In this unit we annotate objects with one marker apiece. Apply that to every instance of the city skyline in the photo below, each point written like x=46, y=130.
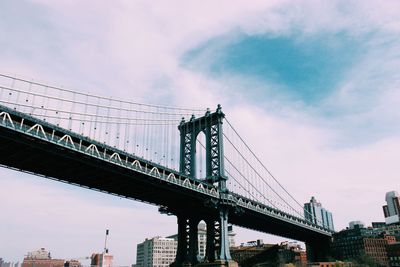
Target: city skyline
x=324, y=120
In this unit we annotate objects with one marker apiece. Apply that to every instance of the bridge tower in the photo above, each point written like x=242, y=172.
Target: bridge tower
x=211, y=126
x=217, y=248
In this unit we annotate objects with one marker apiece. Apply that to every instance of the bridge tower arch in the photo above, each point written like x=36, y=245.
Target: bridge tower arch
x=211, y=125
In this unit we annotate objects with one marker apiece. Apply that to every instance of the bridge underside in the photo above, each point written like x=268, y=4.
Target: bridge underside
x=28, y=154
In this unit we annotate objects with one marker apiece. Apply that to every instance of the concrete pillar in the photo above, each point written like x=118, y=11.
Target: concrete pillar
x=210, y=248
x=224, y=253
x=193, y=241
x=182, y=249
x=319, y=250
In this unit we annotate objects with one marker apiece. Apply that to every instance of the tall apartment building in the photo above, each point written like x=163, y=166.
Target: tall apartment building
x=314, y=212
x=392, y=208
x=156, y=252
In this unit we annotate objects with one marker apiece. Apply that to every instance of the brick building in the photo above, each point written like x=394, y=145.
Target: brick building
x=257, y=253
x=330, y=264
x=393, y=252
x=101, y=260
x=41, y=258
x=391, y=230
x=360, y=243
x=249, y=250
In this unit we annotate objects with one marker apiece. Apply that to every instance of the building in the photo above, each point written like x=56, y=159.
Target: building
x=202, y=239
x=392, y=208
x=248, y=250
x=388, y=230
x=101, y=259
x=9, y=264
x=72, y=263
x=256, y=253
x=393, y=252
x=314, y=212
x=231, y=236
x=361, y=244
x=354, y=224
x=331, y=264
x=393, y=230
x=294, y=253
x=156, y=252
x=41, y=258
x=378, y=225
x=39, y=254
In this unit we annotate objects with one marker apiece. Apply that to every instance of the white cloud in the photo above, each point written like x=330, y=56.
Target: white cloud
x=130, y=49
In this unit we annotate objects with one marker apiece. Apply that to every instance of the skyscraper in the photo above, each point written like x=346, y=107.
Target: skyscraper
x=392, y=208
x=314, y=212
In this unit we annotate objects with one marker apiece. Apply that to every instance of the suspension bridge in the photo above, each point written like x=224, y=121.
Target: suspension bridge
x=191, y=163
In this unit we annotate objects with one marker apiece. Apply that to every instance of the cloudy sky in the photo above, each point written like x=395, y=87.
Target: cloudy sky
x=311, y=85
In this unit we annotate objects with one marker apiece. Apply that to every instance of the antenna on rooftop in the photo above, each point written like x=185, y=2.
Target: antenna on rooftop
x=105, y=242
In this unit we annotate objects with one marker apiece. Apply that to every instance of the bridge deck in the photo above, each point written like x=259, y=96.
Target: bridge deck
x=43, y=149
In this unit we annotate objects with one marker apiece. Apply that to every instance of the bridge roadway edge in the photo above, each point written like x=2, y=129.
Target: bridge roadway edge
x=50, y=161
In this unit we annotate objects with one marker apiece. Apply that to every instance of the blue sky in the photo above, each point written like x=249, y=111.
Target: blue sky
x=305, y=71
x=313, y=87
x=303, y=68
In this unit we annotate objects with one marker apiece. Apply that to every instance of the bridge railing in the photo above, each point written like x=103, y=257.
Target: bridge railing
x=276, y=213
x=31, y=126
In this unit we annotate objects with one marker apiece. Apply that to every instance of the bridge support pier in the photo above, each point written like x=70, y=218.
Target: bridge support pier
x=193, y=241
x=217, y=250
x=217, y=247
x=183, y=235
x=210, y=247
x=224, y=253
x=319, y=250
